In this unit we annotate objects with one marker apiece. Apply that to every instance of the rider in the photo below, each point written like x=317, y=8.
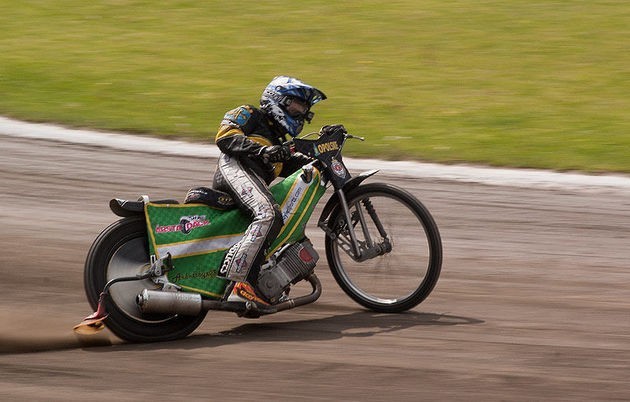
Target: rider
x=252, y=156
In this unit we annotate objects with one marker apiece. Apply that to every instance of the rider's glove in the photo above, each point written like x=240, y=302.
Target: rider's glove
x=275, y=153
x=334, y=129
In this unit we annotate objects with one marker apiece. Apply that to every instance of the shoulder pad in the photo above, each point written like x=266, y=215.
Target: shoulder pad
x=239, y=116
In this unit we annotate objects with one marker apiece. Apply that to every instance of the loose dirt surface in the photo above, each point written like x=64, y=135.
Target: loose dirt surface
x=532, y=303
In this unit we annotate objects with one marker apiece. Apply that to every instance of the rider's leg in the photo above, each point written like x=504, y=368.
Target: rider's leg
x=243, y=260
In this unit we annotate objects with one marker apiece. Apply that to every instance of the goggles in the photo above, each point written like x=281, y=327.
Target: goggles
x=296, y=107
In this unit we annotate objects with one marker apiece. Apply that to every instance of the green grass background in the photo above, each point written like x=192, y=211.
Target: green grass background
x=532, y=83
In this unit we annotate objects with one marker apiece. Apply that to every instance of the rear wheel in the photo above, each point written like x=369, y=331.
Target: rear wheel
x=400, y=246
x=122, y=250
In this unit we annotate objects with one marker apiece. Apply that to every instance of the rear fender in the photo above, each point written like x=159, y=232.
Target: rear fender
x=349, y=186
x=127, y=208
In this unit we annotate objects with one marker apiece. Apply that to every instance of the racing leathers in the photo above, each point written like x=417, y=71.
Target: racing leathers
x=246, y=137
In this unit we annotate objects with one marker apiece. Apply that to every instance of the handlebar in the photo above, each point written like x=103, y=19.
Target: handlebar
x=319, y=134
x=323, y=143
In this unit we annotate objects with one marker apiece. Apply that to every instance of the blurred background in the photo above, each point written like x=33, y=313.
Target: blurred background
x=534, y=279
x=521, y=83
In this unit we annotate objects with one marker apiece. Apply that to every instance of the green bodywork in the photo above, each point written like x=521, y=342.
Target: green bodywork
x=198, y=236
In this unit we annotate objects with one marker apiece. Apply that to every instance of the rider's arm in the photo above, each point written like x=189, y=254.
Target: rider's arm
x=231, y=138
x=296, y=162
x=232, y=141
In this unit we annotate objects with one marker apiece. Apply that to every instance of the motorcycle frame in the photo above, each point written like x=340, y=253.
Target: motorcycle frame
x=343, y=183
x=333, y=170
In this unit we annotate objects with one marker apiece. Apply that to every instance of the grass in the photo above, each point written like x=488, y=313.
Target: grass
x=539, y=84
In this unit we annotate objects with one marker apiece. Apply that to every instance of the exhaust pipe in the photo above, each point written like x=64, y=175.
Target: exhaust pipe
x=161, y=302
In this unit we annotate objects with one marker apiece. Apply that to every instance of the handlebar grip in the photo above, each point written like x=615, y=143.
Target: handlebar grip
x=348, y=135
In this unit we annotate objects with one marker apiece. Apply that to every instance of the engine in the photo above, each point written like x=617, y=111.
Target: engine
x=291, y=265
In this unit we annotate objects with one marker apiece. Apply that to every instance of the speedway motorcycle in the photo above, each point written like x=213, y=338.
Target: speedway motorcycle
x=152, y=275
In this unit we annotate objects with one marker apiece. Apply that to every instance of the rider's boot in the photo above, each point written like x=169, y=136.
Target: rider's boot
x=244, y=292
x=239, y=291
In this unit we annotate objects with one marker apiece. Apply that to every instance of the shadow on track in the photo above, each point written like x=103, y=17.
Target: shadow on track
x=359, y=324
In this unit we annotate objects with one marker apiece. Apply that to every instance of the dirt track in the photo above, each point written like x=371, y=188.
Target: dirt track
x=532, y=303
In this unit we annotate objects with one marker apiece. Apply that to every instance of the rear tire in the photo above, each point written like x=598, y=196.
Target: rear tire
x=398, y=279
x=122, y=250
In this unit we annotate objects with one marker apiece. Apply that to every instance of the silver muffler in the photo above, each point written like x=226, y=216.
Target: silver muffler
x=160, y=302
x=184, y=303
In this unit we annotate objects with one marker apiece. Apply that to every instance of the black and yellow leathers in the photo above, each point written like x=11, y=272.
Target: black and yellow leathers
x=244, y=174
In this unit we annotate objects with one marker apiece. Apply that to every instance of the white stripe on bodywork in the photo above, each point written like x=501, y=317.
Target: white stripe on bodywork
x=294, y=199
x=212, y=245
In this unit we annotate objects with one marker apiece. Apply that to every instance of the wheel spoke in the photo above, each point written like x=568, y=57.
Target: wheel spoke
x=400, y=249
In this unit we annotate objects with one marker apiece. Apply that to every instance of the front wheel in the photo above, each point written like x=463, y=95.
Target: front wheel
x=122, y=250
x=400, y=251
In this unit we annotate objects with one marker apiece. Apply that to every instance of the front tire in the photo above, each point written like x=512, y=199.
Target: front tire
x=122, y=250
x=408, y=265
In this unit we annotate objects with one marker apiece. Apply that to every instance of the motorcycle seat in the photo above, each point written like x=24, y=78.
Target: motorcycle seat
x=211, y=197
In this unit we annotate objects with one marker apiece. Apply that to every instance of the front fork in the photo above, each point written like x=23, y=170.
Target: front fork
x=358, y=250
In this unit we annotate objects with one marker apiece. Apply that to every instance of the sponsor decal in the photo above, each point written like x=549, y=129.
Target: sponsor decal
x=227, y=261
x=246, y=295
x=186, y=225
x=255, y=233
x=193, y=196
x=239, y=116
x=338, y=168
x=241, y=264
x=193, y=275
x=264, y=211
x=327, y=147
x=225, y=200
x=247, y=191
x=292, y=202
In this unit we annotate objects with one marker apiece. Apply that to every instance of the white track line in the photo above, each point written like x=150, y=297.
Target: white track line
x=473, y=174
